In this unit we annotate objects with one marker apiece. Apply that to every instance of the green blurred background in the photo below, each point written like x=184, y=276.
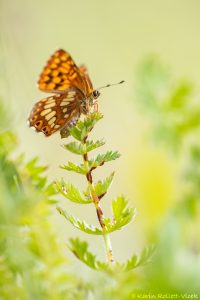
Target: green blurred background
x=112, y=38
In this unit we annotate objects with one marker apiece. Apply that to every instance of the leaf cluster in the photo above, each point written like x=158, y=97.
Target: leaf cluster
x=121, y=216
x=80, y=250
x=170, y=104
x=121, y=213
x=27, y=267
x=174, y=113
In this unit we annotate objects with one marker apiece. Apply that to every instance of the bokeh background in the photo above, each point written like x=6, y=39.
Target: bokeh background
x=112, y=38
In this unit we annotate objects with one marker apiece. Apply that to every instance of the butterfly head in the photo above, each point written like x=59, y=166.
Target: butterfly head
x=92, y=103
x=95, y=94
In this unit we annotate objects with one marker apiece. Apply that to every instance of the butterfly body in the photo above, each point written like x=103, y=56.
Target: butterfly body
x=73, y=95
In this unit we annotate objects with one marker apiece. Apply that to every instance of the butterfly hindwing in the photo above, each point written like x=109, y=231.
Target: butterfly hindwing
x=52, y=113
x=60, y=74
x=64, y=131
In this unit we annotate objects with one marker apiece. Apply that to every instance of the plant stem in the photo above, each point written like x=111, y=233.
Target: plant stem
x=99, y=211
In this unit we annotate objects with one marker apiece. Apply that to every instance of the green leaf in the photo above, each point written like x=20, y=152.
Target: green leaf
x=143, y=259
x=49, y=192
x=153, y=84
x=35, y=172
x=73, y=167
x=75, y=132
x=83, y=128
x=81, y=225
x=80, y=149
x=179, y=96
x=121, y=215
x=33, y=168
x=75, y=147
x=89, y=122
x=102, y=158
x=80, y=250
x=119, y=207
x=70, y=192
x=101, y=187
x=90, y=145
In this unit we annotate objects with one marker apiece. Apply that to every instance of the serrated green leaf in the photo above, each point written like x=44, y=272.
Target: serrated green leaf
x=121, y=215
x=80, y=149
x=73, y=167
x=83, y=128
x=89, y=122
x=91, y=145
x=131, y=263
x=70, y=192
x=119, y=207
x=102, y=158
x=80, y=250
x=75, y=132
x=33, y=168
x=35, y=172
x=50, y=190
x=81, y=225
x=143, y=259
x=146, y=255
x=75, y=147
x=101, y=187
x=106, y=267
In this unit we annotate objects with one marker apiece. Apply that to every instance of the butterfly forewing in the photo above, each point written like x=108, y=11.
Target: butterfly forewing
x=60, y=74
x=86, y=78
x=52, y=113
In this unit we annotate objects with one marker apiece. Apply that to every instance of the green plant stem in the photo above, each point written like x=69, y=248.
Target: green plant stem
x=99, y=211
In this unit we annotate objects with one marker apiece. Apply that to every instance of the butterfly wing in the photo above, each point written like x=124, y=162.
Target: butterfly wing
x=52, y=113
x=60, y=74
x=65, y=130
x=86, y=78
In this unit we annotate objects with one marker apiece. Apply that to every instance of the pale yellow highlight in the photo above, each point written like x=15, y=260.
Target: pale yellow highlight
x=51, y=121
x=64, y=102
x=45, y=112
x=50, y=115
x=50, y=100
x=71, y=93
x=50, y=105
x=151, y=180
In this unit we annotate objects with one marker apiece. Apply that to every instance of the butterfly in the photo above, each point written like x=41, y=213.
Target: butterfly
x=73, y=95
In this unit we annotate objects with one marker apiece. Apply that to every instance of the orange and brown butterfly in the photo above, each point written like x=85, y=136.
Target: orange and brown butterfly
x=73, y=95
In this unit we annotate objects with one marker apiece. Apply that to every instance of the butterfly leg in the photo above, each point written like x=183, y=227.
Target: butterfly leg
x=95, y=107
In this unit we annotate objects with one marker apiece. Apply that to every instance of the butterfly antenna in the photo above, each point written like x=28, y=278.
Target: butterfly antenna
x=108, y=85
